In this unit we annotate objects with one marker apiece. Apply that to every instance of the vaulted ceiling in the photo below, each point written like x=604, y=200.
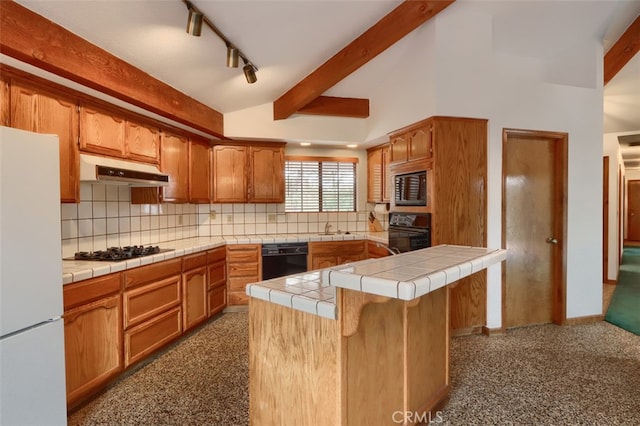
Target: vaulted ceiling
x=288, y=40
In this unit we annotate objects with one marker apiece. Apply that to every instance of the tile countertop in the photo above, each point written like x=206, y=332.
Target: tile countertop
x=406, y=276
x=73, y=270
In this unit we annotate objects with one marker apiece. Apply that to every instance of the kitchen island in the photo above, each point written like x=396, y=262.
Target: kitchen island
x=364, y=343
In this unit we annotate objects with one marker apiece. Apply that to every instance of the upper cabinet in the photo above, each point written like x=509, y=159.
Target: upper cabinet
x=38, y=110
x=230, y=168
x=101, y=131
x=412, y=143
x=142, y=142
x=5, y=101
x=175, y=162
x=267, y=177
x=199, y=171
x=378, y=174
x=248, y=173
x=112, y=133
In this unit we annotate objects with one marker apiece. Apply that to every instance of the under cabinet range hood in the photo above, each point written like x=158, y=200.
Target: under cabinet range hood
x=119, y=172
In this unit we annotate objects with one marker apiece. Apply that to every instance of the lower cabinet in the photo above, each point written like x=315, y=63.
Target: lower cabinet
x=332, y=253
x=92, y=335
x=244, y=266
x=217, y=287
x=194, y=290
x=152, y=308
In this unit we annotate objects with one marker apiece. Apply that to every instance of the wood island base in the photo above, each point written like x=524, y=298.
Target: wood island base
x=383, y=361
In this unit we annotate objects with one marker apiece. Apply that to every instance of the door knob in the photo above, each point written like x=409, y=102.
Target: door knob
x=552, y=240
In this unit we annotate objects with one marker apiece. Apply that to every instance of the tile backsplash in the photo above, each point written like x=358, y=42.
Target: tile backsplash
x=106, y=218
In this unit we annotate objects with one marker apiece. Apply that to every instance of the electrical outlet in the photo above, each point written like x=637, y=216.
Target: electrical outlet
x=271, y=218
x=212, y=215
x=229, y=218
x=179, y=219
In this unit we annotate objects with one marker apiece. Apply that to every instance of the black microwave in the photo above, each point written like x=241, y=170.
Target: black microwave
x=410, y=189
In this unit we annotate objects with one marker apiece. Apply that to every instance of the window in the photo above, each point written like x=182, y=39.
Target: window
x=320, y=184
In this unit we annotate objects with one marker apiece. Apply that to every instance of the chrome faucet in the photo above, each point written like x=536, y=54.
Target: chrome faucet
x=327, y=227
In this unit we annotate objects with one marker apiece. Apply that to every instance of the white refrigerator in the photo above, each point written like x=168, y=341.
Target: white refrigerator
x=32, y=371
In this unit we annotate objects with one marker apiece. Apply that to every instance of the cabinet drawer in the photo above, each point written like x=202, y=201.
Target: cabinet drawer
x=151, y=273
x=145, y=302
x=194, y=261
x=149, y=336
x=217, y=300
x=243, y=256
x=86, y=291
x=217, y=274
x=243, y=270
x=217, y=255
x=239, y=284
x=237, y=298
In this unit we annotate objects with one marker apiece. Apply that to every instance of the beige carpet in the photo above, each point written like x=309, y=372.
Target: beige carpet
x=542, y=375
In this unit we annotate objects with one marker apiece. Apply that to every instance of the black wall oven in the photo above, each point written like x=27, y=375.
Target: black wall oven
x=409, y=231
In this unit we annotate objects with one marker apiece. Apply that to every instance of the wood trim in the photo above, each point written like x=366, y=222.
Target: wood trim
x=583, y=320
x=622, y=51
x=233, y=142
x=53, y=48
x=337, y=107
x=312, y=158
x=493, y=331
x=605, y=219
x=408, y=16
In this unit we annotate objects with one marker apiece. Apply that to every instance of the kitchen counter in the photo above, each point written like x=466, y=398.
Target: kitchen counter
x=406, y=276
x=362, y=343
x=73, y=270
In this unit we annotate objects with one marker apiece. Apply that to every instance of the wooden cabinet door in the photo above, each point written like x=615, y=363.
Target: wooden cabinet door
x=93, y=346
x=244, y=266
x=399, y=147
x=374, y=176
x=267, y=178
x=40, y=111
x=101, y=131
x=419, y=143
x=386, y=174
x=142, y=142
x=194, y=297
x=320, y=261
x=199, y=177
x=230, y=169
x=5, y=101
x=174, y=160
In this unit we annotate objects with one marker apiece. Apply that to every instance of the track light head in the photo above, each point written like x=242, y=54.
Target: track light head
x=232, y=57
x=194, y=23
x=249, y=73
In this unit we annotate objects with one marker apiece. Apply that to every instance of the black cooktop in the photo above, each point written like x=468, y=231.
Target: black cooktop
x=115, y=254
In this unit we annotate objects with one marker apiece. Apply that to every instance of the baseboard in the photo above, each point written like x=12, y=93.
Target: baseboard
x=466, y=331
x=493, y=331
x=583, y=320
x=236, y=308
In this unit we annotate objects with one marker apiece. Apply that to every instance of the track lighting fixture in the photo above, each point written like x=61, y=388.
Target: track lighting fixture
x=194, y=27
x=194, y=23
x=249, y=72
x=232, y=57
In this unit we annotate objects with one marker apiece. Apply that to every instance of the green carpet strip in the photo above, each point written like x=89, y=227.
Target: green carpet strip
x=624, y=310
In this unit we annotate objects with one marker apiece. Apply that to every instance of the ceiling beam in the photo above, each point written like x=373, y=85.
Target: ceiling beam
x=337, y=107
x=622, y=51
x=37, y=41
x=408, y=16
